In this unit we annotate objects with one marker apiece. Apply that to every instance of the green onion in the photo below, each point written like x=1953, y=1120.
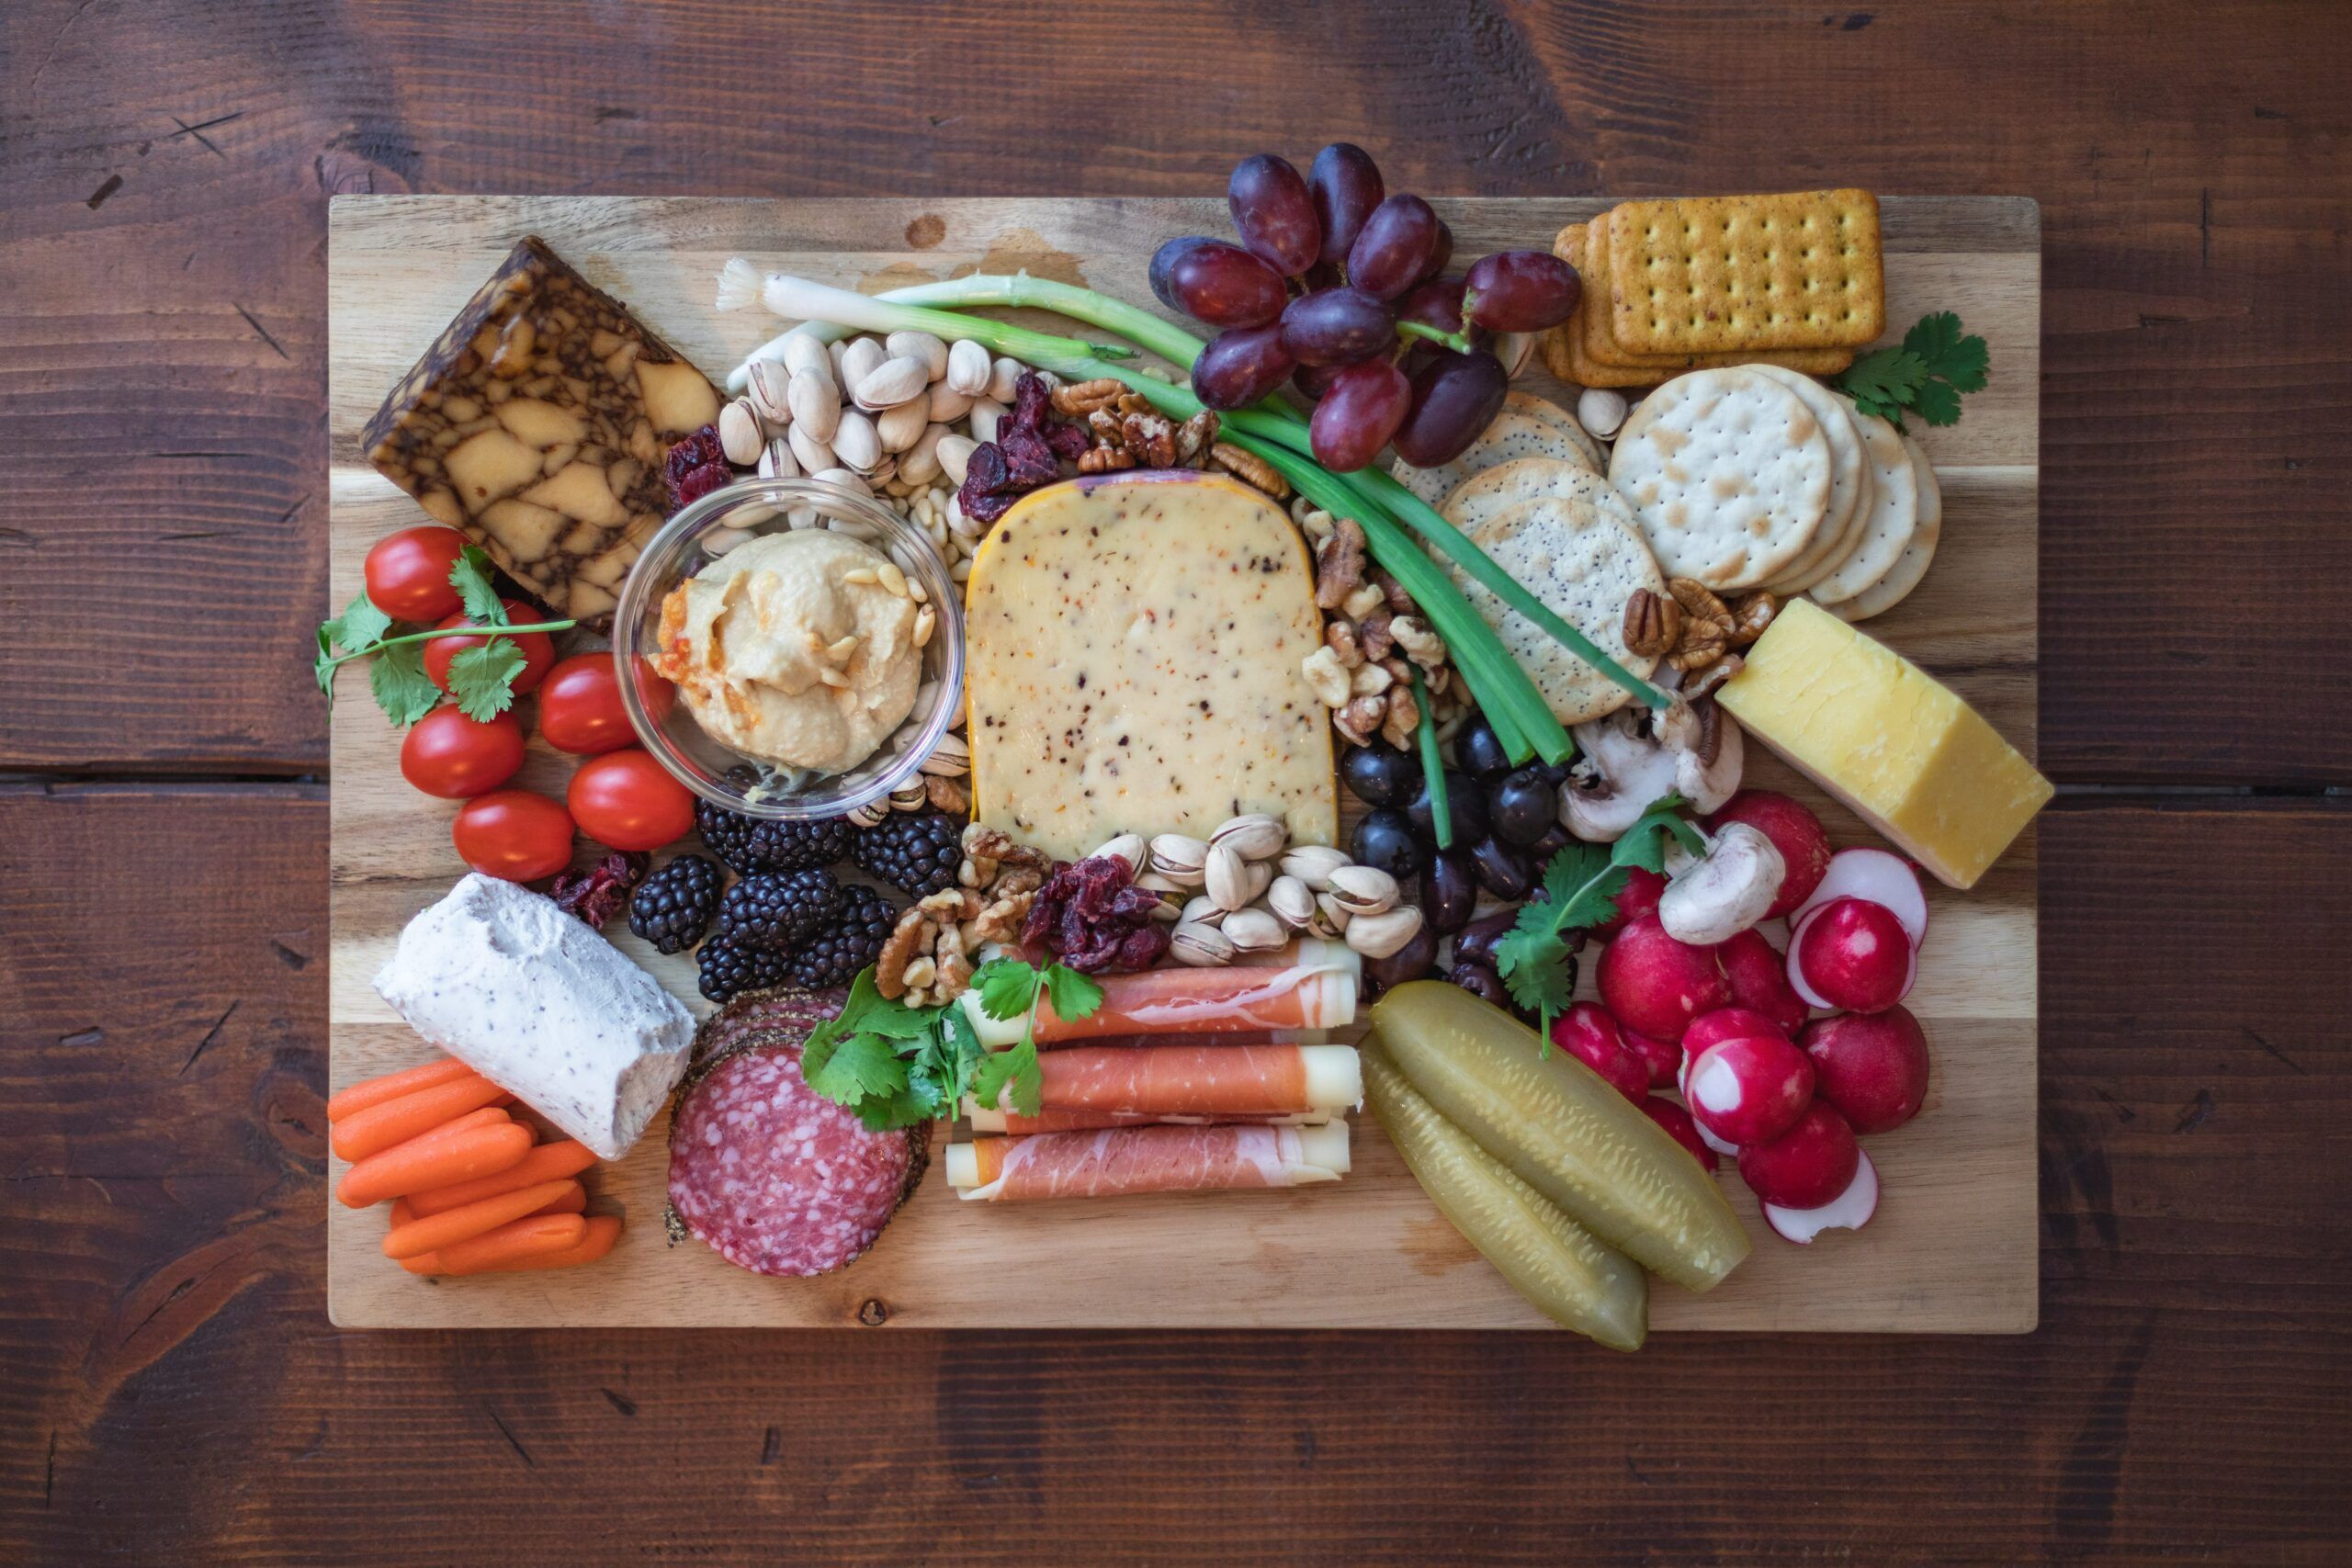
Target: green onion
x=846, y=307
x=1432, y=765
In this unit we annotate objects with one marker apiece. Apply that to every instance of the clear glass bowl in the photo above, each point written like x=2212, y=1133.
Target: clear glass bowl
x=702, y=533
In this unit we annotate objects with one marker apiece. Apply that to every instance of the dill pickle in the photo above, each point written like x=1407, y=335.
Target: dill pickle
x=1562, y=1130
x=1561, y=1268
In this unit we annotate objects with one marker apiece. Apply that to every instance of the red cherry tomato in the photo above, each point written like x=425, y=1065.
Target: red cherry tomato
x=538, y=648
x=408, y=574
x=518, y=834
x=580, y=706
x=628, y=800
x=456, y=758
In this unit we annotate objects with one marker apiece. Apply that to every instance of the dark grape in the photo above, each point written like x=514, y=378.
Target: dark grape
x=1465, y=802
x=1521, y=291
x=1337, y=326
x=1385, y=841
x=1163, y=265
x=1449, y=890
x=1482, y=983
x=1346, y=186
x=1455, y=397
x=1314, y=380
x=1480, y=752
x=1503, y=871
x=1362, y=410
x=1226, y=286
x=1240, y=365
x=1556, y=839
x=1380, y=775
x=1479, y=940
x=1273, y=214
x=1523, y=805
x=1410, y=962
x=1437, y=303
x=1439, y=253
x=1393, y=247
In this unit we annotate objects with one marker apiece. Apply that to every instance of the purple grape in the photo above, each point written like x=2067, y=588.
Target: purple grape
x=1163, y=265
x=1454, y=398
x=1273, y=214
x=1346, y=186
x=1240, y=365
x=1314, y=380
x=1437, y=303
x=1358, y=414
x=1226, y=286
x=1393, y=247
x=1337, y=326
x=1521, y=291
x=1439, y=252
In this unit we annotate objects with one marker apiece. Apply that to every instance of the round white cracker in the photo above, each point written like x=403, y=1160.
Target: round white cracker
x=1895, y=515
x=1513, y=435
x=1583, y=563
x=1728, y=474
x=1489, y=491
x=1911, y=566
x=1849, y=475
x=1564, y=421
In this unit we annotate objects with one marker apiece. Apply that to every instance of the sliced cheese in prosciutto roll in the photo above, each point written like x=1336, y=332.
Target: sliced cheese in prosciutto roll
x=1014, y=1123
x=1191, y=1002
x=1118, y=1161
x=1198, y=1079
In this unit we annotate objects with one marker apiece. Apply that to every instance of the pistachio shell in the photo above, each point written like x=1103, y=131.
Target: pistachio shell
x=1202, y=909
x=1226, y=878
x=930, y=351
x=968, y=368
x=1128, y=847
x=1203, y=947
x=860, y=358
x=1253, y=837
x=891, y=383
x=1313, y=865
x=1362, y=890
x=1384, y=934
x=1254, y=930
x=802, y=351
x=1292, y=901
x=768, y=384
x=815, y=404
x=1182, y=860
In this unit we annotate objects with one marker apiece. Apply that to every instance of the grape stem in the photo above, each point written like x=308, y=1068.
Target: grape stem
x=1454, y=341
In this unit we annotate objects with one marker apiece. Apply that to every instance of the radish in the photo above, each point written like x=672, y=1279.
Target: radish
x=1878, y=875
x=1586, y=1033
x=1664, y=1060
x=1749, y=1090
x=1807, y=1166
x=1729, y=1023
x=1678, y=1122
x=1872, y=1067
x=1718, y=1144
x=1759, y=980
x=1655, y=985
x=1849, y=1210
x=1852, y=953
x=1639, y=896
x=1794, y=831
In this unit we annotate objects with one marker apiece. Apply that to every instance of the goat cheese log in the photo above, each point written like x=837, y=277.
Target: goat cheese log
x=775, y=1178
x=536, y=1001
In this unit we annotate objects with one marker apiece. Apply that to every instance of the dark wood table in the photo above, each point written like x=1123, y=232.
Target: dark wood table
x=170, y=1389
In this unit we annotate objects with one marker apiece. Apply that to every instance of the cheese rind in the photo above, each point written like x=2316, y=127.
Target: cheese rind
x=1898, y=748
x=1132, y=666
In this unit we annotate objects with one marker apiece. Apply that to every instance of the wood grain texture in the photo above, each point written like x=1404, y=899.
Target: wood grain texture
x=172, y=1391
x=1370, y=1251
x=170, y=166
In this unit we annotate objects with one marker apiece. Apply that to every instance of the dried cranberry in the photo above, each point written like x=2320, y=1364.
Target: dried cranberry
x=701, y=482
x=697, y=466
x=1089, y=916
x=1030, y=400
x=1028, y=460
x=597, y=895
x=1068, y=441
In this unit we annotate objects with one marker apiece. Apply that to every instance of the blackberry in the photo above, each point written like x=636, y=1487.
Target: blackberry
x=853, y=939
x=671, y=908
x=769, y=912
x=918, y=853
x=727, y=971
x=750, y=845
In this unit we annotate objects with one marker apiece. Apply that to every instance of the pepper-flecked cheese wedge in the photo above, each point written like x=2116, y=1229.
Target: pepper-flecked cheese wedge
x=1135, y=645
x=1905, y=754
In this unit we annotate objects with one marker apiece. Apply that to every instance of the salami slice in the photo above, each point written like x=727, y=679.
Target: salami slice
x=775, y=1178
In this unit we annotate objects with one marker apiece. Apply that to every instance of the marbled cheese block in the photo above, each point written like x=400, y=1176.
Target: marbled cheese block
x=539, y=422
x=1135, y=645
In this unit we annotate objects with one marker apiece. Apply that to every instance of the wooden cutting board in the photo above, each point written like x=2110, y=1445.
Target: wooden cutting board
x=1954, y=1247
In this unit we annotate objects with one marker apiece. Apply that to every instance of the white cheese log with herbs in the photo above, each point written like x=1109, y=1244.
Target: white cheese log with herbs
x=1134, y=652
x=536, y=1001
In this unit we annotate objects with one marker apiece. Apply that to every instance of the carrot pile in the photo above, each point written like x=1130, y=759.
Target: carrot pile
x=472, y=1191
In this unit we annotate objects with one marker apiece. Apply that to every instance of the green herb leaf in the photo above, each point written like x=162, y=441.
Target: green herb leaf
x=1074, y=995
x=1937, y=404
x=860, y=1067
x=1962, y=361
x=482, y=677
x=1008, y=987
x=1644, y=844
x=401, y=688
x=470, y=575
x=1536, y=974
x=360, y=627
x=1926, y=375
x=1884, y=383
x=1018, y=1067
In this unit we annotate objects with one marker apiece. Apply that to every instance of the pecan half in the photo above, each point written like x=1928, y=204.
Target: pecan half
x=1084, y=397
x=1752, y=615
x=1250, y=470
x=1103, y=460
x=1339, y=565
x=1149, y=438
x=1196, y=437
x=1653, y=624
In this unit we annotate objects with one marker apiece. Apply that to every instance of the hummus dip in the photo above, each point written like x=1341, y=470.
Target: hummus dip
x=790, y=648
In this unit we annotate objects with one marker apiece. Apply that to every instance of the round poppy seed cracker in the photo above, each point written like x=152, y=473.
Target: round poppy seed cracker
x=1490, y=491
x=1912, y=566
x=1581, y=562
x=1562, y=421
x=1728, y=474
x=1848, y=477
x=1513, y=435
x=1895, y=515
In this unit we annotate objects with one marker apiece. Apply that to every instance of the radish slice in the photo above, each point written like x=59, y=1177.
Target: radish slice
x=1849, y=1210
x=1805, y=993
x=1714, y=1142
x=1878, y=875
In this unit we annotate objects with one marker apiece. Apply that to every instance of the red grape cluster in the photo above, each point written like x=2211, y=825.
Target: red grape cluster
x=1327, y=267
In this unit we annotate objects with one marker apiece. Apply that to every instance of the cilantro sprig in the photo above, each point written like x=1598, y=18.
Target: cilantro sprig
x=897, y=1065
x=1581, y=888
x=482, y=677
x=1926, y=374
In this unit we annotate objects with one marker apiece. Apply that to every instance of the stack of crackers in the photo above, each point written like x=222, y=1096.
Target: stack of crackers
x=1695, y=283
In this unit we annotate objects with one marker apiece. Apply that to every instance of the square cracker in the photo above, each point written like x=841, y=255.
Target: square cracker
x=1720, y=274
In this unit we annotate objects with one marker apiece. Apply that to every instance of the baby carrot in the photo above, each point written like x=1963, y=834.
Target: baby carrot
x=603, y=1230
x=471, y=1219
x=548, y=1162
x=378, y=1128
x=391, y=1086
x=574, y=1202
x=434, y=1160
x=509, y=1242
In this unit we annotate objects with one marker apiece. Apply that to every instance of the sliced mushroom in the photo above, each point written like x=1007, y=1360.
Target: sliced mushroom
x=1618, y=772
x=1728, y=891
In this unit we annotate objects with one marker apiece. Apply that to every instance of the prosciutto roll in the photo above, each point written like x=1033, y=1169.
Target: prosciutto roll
x=1209, y=1081
x=1012, y=1123
x=1116, y=1162
x=1192, y=1001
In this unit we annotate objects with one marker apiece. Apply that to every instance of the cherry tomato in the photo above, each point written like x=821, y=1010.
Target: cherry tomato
x=408, y=572
x=538, y=648
x=580, y=706
x=628, y=800
x=457, y=758
x=518, y=834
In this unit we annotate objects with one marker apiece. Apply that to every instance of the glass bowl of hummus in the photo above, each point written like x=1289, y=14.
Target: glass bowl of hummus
x=798, y=647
